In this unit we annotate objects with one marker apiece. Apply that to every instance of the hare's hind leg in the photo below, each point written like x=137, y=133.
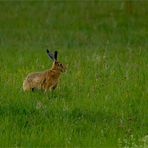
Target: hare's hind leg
x=26, y=86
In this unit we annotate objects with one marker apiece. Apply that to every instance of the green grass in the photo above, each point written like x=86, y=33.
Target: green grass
x=102, y=99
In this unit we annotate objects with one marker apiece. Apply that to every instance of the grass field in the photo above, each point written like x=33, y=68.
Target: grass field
x=102, y=99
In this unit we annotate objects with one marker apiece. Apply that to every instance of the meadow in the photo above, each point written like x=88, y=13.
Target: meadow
x=102, y=98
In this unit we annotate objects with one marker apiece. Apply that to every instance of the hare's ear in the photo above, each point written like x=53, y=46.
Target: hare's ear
x=55, y=55
x=50, y=54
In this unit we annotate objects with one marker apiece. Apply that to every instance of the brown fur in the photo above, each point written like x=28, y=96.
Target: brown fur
x=46, y=80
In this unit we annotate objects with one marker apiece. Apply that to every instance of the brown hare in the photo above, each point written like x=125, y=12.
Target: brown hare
x=46, y=80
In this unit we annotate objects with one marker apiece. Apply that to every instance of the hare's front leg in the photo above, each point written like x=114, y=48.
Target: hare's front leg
x=54, y=87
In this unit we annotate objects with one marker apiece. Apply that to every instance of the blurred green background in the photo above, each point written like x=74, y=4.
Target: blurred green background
x=70, y=24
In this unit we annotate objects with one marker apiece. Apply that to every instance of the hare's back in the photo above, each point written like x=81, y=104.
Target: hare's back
x=36, y=77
